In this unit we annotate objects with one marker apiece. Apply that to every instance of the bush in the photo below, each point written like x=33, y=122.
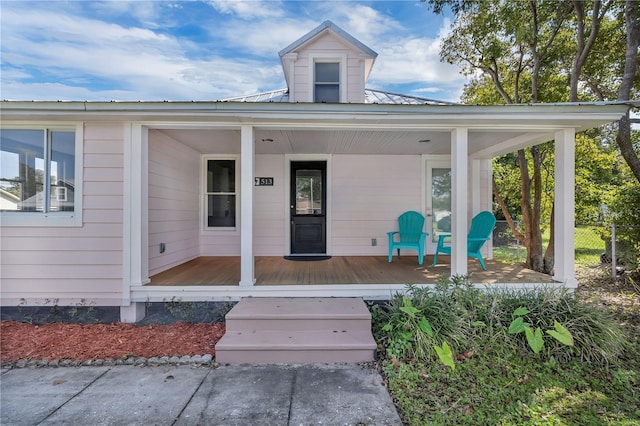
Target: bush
x=468, y=319
x=597, y=337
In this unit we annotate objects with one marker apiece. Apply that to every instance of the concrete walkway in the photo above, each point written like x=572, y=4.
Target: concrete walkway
x=188, y=395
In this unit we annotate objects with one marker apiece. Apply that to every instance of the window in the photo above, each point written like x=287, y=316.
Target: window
x=37, y=172
x=327, y=82
x=220, y=196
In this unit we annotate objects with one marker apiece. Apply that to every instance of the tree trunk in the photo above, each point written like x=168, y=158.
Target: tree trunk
x=623, y=138
x=549, y=259
x=516, y=233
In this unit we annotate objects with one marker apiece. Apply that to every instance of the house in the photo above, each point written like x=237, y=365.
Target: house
x=200, y=201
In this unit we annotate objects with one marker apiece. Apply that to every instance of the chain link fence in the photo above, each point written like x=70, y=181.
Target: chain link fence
x=605, y=245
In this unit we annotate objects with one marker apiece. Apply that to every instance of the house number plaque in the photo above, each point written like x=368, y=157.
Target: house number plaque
x=263, y=181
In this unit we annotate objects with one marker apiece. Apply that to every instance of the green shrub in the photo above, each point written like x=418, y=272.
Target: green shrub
x=597, y=337
x=411, y=325
x=416, y=322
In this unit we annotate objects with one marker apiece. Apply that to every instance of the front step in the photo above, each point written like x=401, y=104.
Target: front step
x=297, y=330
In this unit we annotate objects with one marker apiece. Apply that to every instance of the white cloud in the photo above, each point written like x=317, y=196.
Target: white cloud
x=80, y=51
x=141, y=63
x=249, y=9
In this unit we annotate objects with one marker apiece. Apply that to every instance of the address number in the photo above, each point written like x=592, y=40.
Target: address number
x=264, y=181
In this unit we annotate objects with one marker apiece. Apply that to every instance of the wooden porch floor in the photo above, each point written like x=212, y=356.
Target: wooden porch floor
x=275, y=270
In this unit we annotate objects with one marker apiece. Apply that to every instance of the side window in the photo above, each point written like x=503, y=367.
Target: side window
x=327, y=82
x=220, y=193
x=37, y=171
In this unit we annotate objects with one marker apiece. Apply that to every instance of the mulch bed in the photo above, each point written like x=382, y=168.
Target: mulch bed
x=103, y=341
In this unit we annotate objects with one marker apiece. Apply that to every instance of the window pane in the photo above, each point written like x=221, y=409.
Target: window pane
x=327, y=72
x=62, y=171
x=221, y=210
x=329, y=93
x=221, y=176
x=308, y=192
x=22, y=170
x=441, y=198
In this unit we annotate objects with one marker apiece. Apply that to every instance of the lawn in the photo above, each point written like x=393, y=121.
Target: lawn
x=588, y=244
x=495, y=382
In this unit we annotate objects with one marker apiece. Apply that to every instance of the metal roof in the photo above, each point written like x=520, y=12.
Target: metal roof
x=371, y=96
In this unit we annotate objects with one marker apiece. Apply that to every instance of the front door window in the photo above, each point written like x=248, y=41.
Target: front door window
x=308, y=192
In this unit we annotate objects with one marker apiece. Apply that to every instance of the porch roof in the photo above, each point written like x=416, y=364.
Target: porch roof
x=575, y=115
x=333, y=128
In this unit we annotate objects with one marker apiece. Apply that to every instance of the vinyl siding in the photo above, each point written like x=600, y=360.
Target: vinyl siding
x=270, y=204
x=73, y=265
x=369, y=193
x=174, y=176
x=328, y=45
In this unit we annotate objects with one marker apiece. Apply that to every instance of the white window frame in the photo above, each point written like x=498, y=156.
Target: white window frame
x=53, y=219
x=203, y=194
x=328, y=57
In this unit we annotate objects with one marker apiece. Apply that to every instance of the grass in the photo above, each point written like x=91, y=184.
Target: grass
x=487, y=389
x=588, y=244
x=498, y=382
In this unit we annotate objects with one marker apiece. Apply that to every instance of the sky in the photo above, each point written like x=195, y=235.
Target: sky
x=205, y=50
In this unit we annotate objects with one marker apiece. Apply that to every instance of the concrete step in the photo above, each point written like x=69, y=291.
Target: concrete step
x=300, y=347
x=297, y=330
x=255, y=314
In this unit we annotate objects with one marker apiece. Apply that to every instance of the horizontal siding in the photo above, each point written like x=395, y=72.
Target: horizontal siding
x=328, y=44
x=221, y=244
x=269, y=206
x=369, y=193
x=73, y=263
x=174, y=181
x=52, y=272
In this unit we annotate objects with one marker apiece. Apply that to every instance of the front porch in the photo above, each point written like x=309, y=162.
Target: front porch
x=339, y=270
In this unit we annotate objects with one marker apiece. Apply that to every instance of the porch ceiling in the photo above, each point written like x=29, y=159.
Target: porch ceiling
x=483, y=142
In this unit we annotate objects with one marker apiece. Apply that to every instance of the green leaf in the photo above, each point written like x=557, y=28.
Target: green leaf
x=410, y=310
x=387, y=327
x=425, y=326
x=520, y=312
x=445, y=355
x=517, y=326
x=478, y=324
x=561, y=334
x=534, y=338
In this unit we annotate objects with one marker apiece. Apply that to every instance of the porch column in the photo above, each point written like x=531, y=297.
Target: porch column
x=247, y=160
x=135, y=253
x=459, y=200
x=564, y=215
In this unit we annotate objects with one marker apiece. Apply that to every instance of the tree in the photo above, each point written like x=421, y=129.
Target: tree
x=534, y=51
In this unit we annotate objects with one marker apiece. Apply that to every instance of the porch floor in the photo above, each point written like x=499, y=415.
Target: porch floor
x=275, y=270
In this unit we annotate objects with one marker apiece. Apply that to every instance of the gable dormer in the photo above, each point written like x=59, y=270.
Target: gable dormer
x=327, y=65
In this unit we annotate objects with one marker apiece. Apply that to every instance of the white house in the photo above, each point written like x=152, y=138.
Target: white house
x=214, y=194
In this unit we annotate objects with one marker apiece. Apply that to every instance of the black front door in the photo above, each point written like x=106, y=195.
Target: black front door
x=308, y=207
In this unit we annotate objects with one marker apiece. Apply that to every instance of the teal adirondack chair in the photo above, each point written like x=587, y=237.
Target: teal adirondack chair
x=410, y=235
x=481, y=230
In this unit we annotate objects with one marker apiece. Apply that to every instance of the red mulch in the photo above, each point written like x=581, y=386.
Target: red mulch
x=102, y=341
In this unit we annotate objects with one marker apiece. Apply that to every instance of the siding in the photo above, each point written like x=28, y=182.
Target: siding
x=174, y=173
x=328, y=45
x=73, y=265
x=270, y=204
x=369, y=193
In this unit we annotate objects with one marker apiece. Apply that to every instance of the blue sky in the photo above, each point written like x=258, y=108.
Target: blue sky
x=205, y=50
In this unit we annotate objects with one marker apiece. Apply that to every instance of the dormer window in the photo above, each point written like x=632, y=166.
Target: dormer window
x=327, y=82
